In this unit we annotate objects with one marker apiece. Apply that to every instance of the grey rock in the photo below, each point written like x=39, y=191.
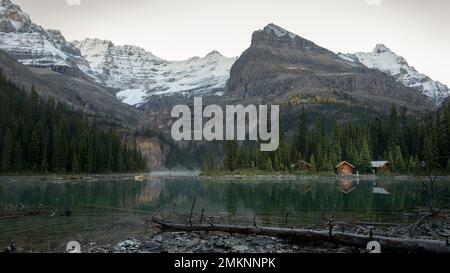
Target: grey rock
x=240, y=248
x=158, y=238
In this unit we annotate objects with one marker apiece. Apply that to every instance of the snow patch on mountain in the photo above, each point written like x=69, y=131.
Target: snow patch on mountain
x=132, y=96
x=385, y=60
x=139, y=74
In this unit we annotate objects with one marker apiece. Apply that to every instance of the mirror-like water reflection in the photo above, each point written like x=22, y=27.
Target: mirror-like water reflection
x=43, y=215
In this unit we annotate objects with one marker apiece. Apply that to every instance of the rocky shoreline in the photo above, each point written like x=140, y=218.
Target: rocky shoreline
x=194, y=175
x=222, y=242
x=215, y=242
x=156, y=240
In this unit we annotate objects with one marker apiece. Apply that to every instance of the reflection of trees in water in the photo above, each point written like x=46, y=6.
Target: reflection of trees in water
x=266, y=198
x=231, y=198
x=114, y=194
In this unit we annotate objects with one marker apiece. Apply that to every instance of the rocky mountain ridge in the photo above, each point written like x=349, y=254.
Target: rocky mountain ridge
x=280, y=66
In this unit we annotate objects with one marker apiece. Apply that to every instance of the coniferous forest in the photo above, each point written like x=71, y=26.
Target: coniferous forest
x=409, y=143
x=42, y=136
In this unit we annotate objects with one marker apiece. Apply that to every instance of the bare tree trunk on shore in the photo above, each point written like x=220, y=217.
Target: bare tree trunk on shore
x=347, y=239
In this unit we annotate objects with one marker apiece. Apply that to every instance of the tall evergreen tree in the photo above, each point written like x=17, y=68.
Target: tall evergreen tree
x=231, y=155
x=365, y=162
x=8, y=142
x=302, y=132
x=269, y=166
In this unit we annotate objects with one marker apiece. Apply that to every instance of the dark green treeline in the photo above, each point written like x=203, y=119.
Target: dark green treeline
x=402, y=140
x=42, y=136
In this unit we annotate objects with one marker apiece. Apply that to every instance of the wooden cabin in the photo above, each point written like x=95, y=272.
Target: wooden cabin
x=380, y=166
x=345, y=168
x=302, y=166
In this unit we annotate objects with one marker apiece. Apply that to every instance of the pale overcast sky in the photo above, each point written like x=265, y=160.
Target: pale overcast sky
x=418, y=30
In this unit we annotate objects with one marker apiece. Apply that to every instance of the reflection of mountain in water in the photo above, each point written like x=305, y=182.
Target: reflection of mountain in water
x=151, y=191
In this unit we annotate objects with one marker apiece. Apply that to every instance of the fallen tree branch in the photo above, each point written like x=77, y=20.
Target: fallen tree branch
x=412, y=231
x=354, y=240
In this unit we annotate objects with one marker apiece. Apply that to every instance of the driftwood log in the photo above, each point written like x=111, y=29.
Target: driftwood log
x=346, y=239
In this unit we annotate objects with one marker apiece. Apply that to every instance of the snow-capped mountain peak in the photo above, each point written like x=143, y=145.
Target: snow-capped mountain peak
x=380, y=48
x=32, y=45
x=278, y=31
x=384, y=59
x=214, y=53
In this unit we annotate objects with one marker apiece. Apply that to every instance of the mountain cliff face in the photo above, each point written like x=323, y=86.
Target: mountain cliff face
x=137, y=74
x=34, y=46
x=385, y=60
x=282, y=66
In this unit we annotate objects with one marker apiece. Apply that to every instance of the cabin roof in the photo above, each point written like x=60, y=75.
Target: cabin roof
x=344, y=163
x=379, y=164
x=302, y=162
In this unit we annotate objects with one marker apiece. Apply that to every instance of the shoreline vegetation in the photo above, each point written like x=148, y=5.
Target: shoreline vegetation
x=253, y=175
x=240, y=175
x=71, y=178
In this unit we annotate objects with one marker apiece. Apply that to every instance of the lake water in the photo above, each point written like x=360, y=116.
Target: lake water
x=45, y=215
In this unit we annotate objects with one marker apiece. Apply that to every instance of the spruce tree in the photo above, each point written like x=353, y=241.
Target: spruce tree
x=59, y=157
x=35, y=155
x=208, y=165
x=336, y=152
x=430, y=153
x=75, y=165
x=399, y=161
x=393, y=137
x=8, y=142
x=302, y=134
x=312, y=162
x=365, y=161
x=269, y=167
x=231, y=155
x=277, y=165
x=17, y=155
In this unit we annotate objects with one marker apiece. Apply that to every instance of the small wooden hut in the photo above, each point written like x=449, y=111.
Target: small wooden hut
x=380, y=166
x=302, y=166
x=345, y=168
